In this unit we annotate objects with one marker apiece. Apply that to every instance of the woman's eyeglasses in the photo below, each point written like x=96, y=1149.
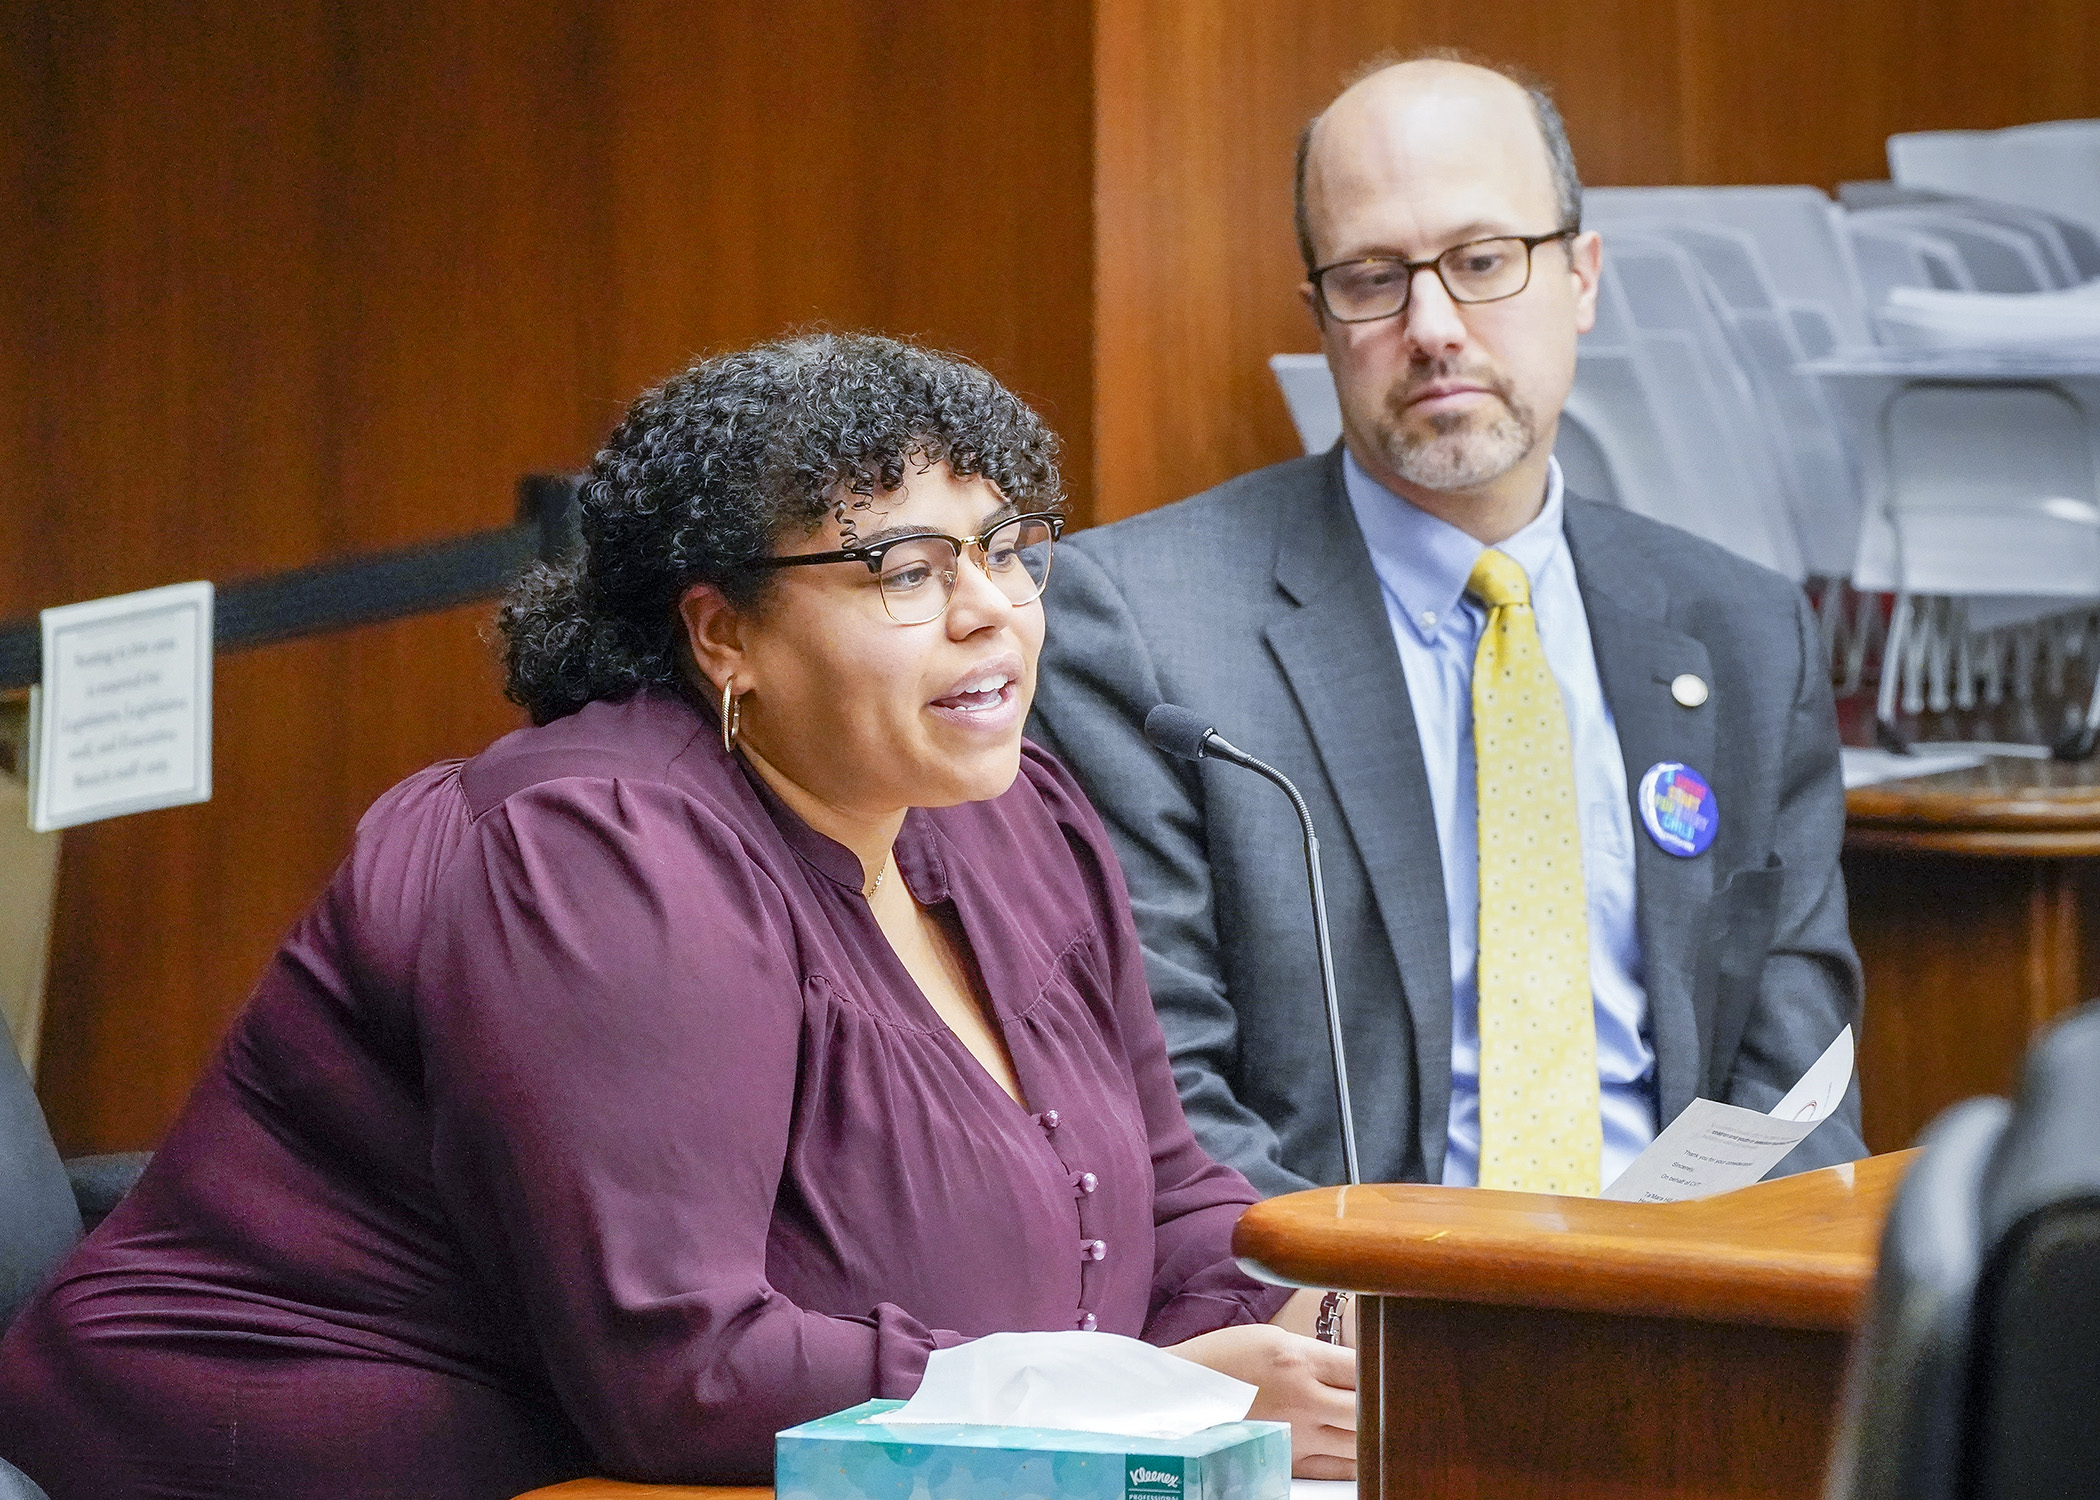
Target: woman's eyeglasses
x=915, y=574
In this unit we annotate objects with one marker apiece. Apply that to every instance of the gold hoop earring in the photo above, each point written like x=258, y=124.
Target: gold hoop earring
x=732, y=715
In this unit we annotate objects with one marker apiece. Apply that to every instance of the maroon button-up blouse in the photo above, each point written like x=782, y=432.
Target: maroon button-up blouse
x=589, y=1121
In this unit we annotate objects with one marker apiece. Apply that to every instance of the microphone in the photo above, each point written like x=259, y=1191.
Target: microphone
x=1174, y=730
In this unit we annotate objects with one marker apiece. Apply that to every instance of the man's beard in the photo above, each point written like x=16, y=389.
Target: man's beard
x=1461, y=450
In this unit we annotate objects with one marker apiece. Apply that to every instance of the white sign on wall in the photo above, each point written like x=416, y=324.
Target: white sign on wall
x=123, y=719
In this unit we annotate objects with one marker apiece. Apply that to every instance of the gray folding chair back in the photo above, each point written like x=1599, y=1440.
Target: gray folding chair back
x=1610, y=446
x=1999, y=257
x=1704, y=397
x=2072, y=247
x=1797, y=234
x=1309, y=396
x=2072, y=250
x=2054, y=166
x=1890, y=253
x=1636, y=423
x=1793, y=410
x=39, y=1218
x=1993, y=491
x=1586, y=463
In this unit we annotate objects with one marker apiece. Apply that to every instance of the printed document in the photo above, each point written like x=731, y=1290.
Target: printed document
x=1716, y=1148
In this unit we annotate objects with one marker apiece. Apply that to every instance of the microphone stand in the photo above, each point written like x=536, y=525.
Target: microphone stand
x=1217, y=745
x=1181, y=734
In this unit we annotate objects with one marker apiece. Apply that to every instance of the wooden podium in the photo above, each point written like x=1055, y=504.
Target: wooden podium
x=1519, y=1345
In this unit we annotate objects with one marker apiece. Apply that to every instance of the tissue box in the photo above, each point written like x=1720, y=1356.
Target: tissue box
x=846, y=1457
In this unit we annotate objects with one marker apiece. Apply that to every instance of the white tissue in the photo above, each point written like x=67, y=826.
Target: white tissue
x=1072, y=1382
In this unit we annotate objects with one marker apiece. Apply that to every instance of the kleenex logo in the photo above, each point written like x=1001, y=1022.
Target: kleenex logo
x=1148, y=1478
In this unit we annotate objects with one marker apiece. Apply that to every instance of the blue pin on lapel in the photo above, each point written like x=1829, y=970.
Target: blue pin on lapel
x=1678, y=809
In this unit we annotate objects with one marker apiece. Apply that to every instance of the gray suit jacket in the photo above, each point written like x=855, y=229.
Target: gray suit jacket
x=1255, y=604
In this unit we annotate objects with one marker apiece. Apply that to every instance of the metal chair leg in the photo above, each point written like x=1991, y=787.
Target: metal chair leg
x=1886, y=734
x=1924, y=633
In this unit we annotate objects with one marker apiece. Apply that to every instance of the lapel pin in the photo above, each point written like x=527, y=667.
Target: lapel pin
x=1678, y=808
x=1688, y=688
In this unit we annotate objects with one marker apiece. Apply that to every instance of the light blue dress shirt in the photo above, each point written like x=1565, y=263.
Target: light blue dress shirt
x=1422, y=565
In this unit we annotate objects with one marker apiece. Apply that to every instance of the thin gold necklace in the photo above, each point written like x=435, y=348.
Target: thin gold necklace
x=869, y=893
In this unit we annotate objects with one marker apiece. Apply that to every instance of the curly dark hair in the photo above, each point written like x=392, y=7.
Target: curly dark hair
x=709, y=469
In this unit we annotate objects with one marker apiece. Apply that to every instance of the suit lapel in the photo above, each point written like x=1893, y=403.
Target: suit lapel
x=1336, y=653
x=1639, y=654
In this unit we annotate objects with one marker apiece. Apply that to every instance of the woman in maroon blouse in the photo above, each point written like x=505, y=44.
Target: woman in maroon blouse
x=697, y=1061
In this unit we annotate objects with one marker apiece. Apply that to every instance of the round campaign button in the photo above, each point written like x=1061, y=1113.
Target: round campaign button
x=1678, y=809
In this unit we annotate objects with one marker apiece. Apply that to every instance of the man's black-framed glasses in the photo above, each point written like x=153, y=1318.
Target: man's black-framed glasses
x=1379, y=286
x=915, y=574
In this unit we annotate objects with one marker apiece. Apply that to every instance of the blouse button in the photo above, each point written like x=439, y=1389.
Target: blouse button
x=1051, y=1119
x=1088, y=1182
x=1093, y=1249
x=1088, y=1322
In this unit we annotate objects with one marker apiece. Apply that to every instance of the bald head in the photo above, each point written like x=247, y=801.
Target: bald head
x=1432, y=113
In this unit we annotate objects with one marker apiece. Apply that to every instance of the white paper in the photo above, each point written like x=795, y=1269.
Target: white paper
x=1822, y=1088
x=1072, y=1382
x=125, y=708
x=1716, y=1148
x=1864, y=767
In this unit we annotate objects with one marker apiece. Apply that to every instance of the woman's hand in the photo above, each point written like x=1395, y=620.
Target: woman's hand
x=1302, y=1381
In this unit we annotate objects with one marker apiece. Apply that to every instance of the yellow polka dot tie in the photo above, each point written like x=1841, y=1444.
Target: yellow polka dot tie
x=1540, y=1129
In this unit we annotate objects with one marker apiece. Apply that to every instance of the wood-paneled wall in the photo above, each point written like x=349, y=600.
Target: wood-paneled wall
x=1198, y=104
x=291, y=282
x=299, y=283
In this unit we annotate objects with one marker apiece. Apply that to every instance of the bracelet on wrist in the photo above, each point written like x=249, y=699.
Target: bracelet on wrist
x=1327, y=1328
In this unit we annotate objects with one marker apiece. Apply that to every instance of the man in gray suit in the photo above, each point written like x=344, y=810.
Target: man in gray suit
x=1325, y=614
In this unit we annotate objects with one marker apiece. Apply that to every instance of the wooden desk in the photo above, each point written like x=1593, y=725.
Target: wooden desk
x=1975, y=903
x=1527, y=1346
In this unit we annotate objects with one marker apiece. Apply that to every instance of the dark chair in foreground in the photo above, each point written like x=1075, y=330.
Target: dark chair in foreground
x=2035, y=1394
x=1901, y=1435
x=45, y=1204
x=1977, y=1375
x=39, y=1217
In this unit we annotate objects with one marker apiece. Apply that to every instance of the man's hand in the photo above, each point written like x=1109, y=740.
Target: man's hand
x=1302, y=1381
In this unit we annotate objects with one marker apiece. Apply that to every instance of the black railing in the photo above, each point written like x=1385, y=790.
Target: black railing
x=360, y=590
